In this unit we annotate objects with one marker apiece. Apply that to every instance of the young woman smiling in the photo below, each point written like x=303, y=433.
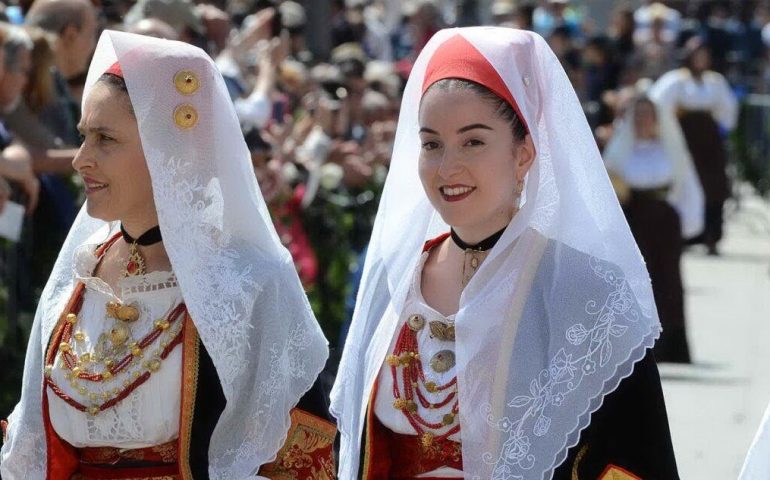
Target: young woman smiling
x=505, y=318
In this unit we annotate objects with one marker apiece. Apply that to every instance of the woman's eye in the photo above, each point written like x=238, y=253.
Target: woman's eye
x=429, y=145
x=104, y=138
x=474, y=143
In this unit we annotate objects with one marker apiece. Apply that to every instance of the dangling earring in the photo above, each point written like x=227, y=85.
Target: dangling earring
x=517, y=191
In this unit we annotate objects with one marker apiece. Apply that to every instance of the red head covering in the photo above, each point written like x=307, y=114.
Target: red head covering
x=115, y=70
x=458, y=58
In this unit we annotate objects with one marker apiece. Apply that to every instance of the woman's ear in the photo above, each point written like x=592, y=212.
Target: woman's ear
x=525, y=151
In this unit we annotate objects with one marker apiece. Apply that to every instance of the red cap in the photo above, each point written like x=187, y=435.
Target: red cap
x=115, y=70
x=458, y=58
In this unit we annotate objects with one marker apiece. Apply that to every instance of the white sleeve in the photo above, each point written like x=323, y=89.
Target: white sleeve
x=23, y=456
x=254, y=110
x=726, y=107
x=665, y=91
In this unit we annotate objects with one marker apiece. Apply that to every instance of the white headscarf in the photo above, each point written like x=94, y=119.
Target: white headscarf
x=756, y=466
x=686, y=194
x=534, y=360
x=237, y=280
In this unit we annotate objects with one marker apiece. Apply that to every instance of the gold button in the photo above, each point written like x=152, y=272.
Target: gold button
x=185, y=116
x=416, y=322
x=186, y=82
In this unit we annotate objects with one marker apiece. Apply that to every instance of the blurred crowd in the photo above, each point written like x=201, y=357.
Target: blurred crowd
x=317, y=86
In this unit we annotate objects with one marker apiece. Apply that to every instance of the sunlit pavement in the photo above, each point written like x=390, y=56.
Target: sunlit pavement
x=715, y=404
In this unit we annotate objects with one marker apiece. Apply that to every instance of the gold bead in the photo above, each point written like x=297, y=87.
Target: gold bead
x=136, y=351
x=82, y=390
x=79, y=336
x=430, y=386
x=185, y=116
x=127, y=313
x=108, y=362
x=72, y=318
x=392, y=360
x=411, y=406
x=106, y=375
x=416, y=322
x=119, y=335
x=93, y=410
x=153, y=365
x=448, y=419
x=65, y=347
x=85, y=358
x=76, y=371
x=399, y=404
x=186, y=82
x=136, y=374
x=106, y=395
x=48, y=370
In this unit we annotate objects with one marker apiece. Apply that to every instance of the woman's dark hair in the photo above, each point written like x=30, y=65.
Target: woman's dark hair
x=503, y=109
x=119, y=83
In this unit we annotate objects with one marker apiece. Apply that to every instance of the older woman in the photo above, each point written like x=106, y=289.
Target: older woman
x=173, y=339
x=505, y=318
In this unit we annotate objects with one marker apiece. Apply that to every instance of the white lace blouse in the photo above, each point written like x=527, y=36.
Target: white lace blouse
x=150, y=414
x=648, y=166
x=395, y=420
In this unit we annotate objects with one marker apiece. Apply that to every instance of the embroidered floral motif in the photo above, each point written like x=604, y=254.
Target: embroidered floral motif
x=564, y=374
x=307, y=453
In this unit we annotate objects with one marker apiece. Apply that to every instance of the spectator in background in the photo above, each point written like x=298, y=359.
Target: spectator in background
x=73, y=24
x=719, y=33
x=181, y=15
x=655, y=44
x=600, y=68
x=563, y=47
x=621, y=32
x=646, y=15
x=557, y=14
x=153, y=27
x=15, y=161
x=706, y=108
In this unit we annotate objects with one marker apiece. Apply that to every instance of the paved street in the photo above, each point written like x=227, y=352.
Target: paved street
x=716, y=404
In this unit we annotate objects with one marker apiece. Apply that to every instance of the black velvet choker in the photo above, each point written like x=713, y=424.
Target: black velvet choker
x=149, y=237
x=482, y=246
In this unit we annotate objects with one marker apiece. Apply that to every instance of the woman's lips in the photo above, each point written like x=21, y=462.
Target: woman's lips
x=92, y=186
x=455, y=193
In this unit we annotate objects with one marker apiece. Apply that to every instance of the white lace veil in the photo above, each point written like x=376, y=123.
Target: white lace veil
x=237, y=280
x=536, y=352
x=686, y=194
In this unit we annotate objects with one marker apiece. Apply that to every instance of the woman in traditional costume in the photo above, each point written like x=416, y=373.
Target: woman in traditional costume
x=663, y=205
x=705, y=105
x=173, y=339
x=505, y=319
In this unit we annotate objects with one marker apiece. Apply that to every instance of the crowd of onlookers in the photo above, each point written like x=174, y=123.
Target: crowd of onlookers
x=317, y=85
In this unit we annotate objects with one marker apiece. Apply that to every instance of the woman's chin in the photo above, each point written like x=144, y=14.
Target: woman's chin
x=96, y=211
